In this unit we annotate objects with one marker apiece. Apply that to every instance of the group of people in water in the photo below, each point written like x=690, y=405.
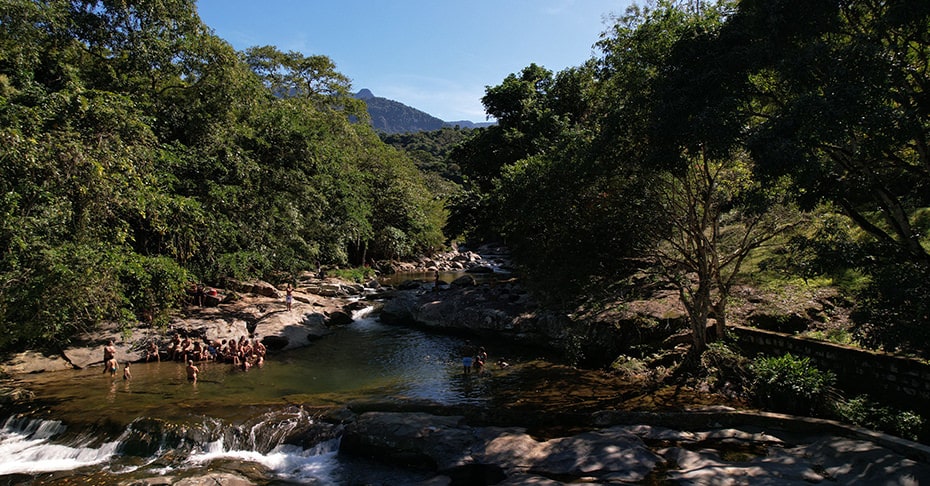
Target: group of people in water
x=474, y=359
x=111, y=365
x=243, y=354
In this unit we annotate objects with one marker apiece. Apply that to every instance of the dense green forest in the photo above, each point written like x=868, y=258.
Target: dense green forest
x=140, y=151
x=706, y=134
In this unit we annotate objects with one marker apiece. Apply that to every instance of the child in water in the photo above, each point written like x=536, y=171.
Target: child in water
x=127, y=375
x=112, y=366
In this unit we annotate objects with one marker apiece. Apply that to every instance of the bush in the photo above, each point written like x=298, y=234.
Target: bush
x=791, y=385
x=727, y=370
x=893, y=310
x=865, y=412
x=355, y=274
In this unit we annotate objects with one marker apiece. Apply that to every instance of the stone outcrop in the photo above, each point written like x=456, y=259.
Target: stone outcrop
x=504, y=309
x=255, y=309
x=447, y=445
x=633, y=454
x=485, y=259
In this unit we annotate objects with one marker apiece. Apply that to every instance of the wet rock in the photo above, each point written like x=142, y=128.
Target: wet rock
x=487, y=455
x=297, y=328
x=412, y=439
x=338, y=318
x=215, y=478
x=464, y=281
x=399, y=308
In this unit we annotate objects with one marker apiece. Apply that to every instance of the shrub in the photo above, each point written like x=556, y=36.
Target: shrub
x=727, y=370
x=355, y=274
x=791, y=385
x=865, y=412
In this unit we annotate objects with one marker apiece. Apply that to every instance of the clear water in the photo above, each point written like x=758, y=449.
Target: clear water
x=88, y=420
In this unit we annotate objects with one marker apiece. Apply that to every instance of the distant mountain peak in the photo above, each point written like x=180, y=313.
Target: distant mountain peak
x=364, y=94
x=391, y=116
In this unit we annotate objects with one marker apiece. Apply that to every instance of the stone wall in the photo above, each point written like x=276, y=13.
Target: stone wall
x=904, y=382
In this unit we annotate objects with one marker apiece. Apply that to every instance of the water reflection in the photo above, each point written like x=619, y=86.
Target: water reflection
x=366, y=359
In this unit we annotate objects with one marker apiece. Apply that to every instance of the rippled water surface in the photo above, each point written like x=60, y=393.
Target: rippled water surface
x=157, y=423
x=364, y=359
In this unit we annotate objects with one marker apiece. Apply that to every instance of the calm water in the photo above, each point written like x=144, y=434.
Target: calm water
x=158, y=422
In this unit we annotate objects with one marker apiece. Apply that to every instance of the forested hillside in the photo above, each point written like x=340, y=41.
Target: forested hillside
x=711, y=143
x=140, y=152
x=705, y=144
x=393, y=117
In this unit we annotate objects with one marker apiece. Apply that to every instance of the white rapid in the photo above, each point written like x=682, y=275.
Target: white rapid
x=26, y=446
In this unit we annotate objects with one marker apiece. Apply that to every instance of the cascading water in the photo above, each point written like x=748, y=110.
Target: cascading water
x=28, y=446
x=289, y=444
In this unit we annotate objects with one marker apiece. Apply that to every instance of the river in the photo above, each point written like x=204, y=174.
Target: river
x=266, y=423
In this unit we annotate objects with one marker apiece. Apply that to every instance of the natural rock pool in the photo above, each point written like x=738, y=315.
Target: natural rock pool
x=87, y=424
x=536, y=421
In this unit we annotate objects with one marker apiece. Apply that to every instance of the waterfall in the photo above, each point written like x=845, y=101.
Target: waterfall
x=26, y=446
x=289, y=443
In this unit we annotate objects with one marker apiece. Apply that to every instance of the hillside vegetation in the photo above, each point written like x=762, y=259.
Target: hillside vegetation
x=713, y=140
x=140, y=151
x=706, y=145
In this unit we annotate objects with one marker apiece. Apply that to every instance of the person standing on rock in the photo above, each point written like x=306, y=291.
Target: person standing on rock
x=288, y=296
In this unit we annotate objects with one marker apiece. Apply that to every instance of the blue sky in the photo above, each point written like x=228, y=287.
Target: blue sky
x=435, y=55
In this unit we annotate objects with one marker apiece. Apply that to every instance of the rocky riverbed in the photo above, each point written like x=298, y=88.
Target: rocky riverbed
x=559, y=425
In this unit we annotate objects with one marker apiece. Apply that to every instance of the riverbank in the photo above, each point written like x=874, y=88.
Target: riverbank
x=547, y=423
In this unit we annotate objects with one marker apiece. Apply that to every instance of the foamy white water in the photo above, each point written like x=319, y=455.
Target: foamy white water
x=26, y=447
x=291, y=462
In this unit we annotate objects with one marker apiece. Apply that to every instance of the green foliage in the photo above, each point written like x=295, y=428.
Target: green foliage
x=136, y=149
x=865, y=412
x=791, y=385
x=893, y=311
x=431, y=149
x=837, y=336
x=354, y=274
x=153, y=286
x=727, y=369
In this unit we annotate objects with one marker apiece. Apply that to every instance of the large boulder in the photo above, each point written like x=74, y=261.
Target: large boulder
x=412, y=439
x=448, y=445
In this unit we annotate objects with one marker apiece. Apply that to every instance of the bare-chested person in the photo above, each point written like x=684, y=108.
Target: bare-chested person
x=233, y=351
x=192, y=372
x=185, y=349
x=111, y=366
x=174, y=349
x=196, y=352
x=152, y=352
x=109, y=351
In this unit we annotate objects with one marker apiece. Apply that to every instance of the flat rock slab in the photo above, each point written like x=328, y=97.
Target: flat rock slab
x=35, y=362
x=633, y=454
x=447, y=444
